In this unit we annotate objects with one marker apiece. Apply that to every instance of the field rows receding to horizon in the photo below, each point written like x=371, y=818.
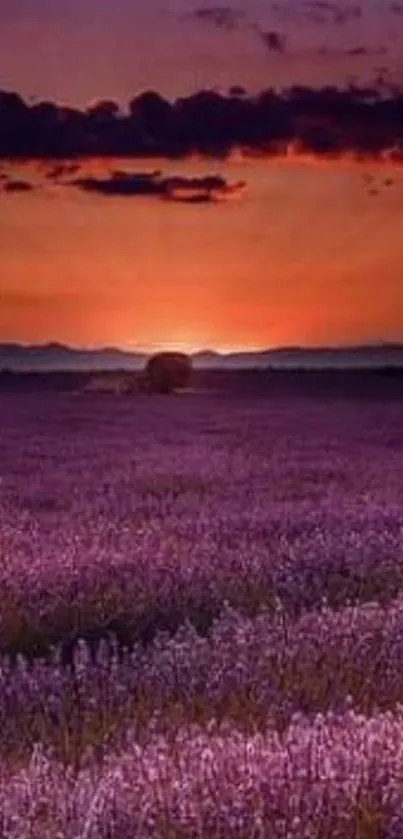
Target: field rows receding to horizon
x=235, y=568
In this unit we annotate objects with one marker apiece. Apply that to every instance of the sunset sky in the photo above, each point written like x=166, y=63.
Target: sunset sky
x=253, y=249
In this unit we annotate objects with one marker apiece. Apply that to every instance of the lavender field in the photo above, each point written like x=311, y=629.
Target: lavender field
x=201, y=617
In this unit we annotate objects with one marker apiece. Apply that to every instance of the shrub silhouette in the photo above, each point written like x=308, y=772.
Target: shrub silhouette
x=168, y=371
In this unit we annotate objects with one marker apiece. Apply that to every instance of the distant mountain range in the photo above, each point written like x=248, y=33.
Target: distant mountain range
x=54, y=356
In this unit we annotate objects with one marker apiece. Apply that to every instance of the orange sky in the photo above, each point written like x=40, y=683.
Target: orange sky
x=304, y=256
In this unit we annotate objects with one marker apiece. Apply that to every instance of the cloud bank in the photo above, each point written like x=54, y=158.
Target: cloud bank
x=327, y=122
x=222, y=17
x=17, y=185
x=207, y=189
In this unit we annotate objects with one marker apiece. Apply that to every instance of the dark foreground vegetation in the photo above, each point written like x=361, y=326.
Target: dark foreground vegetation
x=373, y=383
x=233, y=560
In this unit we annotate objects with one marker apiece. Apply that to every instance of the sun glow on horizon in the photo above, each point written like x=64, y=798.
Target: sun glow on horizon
x=193, y=348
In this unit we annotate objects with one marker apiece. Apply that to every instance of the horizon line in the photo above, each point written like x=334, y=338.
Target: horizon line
x=378, y=344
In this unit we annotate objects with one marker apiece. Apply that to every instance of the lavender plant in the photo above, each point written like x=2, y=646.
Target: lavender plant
x=153, y=519
x=338, y=776
x=235, y=574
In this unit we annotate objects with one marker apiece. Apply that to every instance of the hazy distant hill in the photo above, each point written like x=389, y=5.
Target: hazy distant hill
x=59, y=357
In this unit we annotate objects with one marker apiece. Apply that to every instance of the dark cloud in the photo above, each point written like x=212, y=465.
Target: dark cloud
x=319, y=12
x=222, y=17
x=273, y=41
x=334, y=12
x=207, y=189
x=374, y=185
x=211, y=188
x=359, y=51
x=18, y=186
x=122, y=183
x=369, y=51
x=396, y=9
x=103, y=109
x=237, y=90
x=324, y=121
x=231, y=19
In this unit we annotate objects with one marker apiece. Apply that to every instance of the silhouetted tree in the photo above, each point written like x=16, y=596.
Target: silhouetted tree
x=167, y=371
